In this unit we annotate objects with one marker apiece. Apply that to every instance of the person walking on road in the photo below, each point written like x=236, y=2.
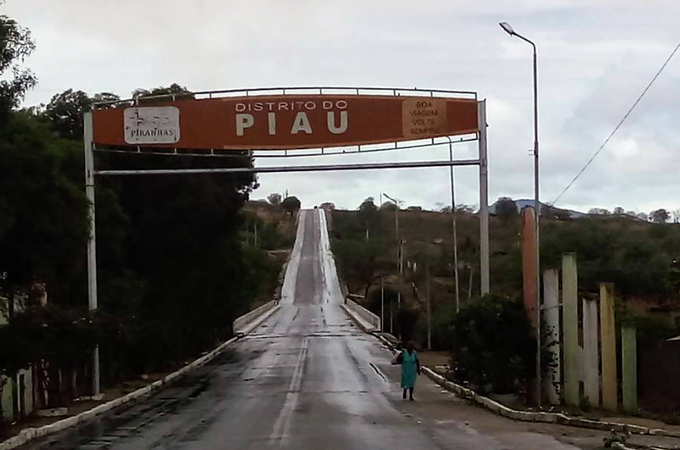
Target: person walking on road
x=410, y=369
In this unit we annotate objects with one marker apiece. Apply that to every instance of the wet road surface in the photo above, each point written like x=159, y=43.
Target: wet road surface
x=305, y=379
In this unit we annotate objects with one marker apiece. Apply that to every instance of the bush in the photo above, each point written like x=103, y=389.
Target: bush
x=441, y=321
x=492, y=345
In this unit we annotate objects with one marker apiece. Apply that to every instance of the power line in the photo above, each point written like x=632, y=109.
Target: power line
x=592, y=158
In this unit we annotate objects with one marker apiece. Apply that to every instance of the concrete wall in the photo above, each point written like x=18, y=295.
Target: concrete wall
x=365, y=315
x=26, y=404
x=241, y=323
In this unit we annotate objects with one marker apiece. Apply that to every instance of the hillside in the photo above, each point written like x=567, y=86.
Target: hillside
x=641, y=258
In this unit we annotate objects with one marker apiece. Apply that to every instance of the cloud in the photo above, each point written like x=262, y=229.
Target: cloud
x=595, y=58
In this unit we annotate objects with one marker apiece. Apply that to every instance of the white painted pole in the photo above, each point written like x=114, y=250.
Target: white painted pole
x=483, y=199
x=572, y=360
x=591, y=359
x=551, y=330
x=92, y=241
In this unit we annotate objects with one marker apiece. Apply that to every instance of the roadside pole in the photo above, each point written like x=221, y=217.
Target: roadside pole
x=483, y=199
x=453, y=224
x=92, y=242
x=382, y=303
x=427, y=299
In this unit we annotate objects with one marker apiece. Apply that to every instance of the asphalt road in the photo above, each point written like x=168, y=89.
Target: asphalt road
x=306, y=379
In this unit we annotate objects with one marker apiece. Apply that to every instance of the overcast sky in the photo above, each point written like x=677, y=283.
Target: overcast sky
x=595, y=57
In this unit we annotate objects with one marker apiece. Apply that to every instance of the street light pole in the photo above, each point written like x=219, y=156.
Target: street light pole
x=537, y=206
x=400, y=269
x=455, y=234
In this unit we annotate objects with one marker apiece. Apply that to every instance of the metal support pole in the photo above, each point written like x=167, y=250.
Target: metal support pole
x=483, y=199
x=382, y=304
x=453, y=220
x=92, y=241
x=391, y=315
x=537, y=207
x=286, y=169
x=427, y=299
x=396, y=225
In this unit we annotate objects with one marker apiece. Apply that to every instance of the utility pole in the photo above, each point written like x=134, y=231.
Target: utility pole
x=400, y=268
x=391, y=315
x=427, y=299
x=382, y=303
x=453, y=224
x=92, y=297
x=537, y=207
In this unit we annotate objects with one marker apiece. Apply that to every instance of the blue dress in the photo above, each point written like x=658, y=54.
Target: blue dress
x=409, y=369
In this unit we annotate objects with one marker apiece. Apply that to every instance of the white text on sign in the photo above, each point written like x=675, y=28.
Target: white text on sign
x=337, y=116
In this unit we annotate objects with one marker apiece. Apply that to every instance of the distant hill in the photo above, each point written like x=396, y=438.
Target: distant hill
x=523, y=203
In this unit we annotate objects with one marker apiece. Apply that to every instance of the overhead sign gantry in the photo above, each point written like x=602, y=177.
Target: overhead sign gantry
x=283, y=122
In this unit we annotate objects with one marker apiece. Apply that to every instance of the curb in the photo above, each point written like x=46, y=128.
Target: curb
x=531, y=416
x=545, y=417
x=29, y=434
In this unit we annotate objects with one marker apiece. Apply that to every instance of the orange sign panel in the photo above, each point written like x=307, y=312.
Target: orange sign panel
x=285, y=122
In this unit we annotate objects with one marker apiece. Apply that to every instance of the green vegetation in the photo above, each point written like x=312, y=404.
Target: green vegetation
x=641, y=258
x=491, y=345
x=173, y=267
x=490, y=340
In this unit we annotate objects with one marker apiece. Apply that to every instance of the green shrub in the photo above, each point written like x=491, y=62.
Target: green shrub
x=492, y=346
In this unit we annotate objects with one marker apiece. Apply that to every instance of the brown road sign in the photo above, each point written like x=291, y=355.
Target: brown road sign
x=285, y=121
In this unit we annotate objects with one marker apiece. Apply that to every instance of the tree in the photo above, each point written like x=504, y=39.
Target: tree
x=65, y=112
x=367, y=211
x=15, y=46
x=676, y=215
x=160, y=94
x=660, y=216
x=643, y=216
x=551, y=212
x=43, y=212
x=599, y=212
x=387, y=206
x=105, y=97
x=359, y=261
x=275, y=199
x=291, y=205
x=619, y=211
x=506, y=208
x=368, y=205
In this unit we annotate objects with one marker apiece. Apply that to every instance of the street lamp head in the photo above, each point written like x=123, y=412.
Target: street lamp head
x=508, y=29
